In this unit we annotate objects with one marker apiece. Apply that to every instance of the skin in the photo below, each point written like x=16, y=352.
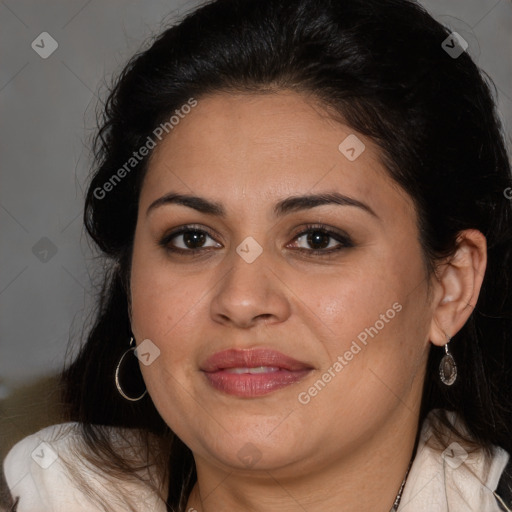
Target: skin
x=349, y=447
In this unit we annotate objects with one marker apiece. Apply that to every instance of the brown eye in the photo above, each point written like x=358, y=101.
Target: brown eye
x=318, y=239
x=187, y=239
x=321, y=240
x=194, y=239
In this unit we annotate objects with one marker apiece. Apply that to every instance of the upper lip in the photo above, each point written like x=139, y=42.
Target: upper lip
x=251, y=358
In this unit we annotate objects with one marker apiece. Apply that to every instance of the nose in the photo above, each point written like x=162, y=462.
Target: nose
x=249, y=294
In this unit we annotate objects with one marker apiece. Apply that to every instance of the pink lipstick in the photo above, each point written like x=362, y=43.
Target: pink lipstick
x=252, y=372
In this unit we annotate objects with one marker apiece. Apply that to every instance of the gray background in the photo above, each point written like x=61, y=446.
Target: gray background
x=48, y=108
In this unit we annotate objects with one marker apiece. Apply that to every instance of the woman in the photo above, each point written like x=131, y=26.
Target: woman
x=303, y=208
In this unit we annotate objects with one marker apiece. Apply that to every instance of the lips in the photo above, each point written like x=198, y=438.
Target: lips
x=252, y=372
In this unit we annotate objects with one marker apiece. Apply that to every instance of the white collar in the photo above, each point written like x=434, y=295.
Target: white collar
x=446, y=476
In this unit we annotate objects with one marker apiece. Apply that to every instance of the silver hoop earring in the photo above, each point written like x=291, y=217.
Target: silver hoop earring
x=118, y=368
x=447, y=367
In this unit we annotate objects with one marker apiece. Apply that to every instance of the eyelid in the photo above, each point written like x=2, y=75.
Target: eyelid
x=321, y=227
x=168, y=236
x=341, y=237
x=344, y=239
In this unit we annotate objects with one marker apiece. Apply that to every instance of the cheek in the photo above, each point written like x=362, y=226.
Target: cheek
x=374, y=321
x=351, y=302
x=373, y=359
x=160, y=299
x=166, y=308
x=167, y=311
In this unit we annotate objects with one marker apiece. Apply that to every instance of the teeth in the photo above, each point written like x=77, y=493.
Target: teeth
x=260, y=369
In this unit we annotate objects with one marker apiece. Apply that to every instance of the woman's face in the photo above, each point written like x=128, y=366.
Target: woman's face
x=264, y=353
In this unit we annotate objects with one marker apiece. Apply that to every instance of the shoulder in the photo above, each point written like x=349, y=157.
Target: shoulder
x=31, y=467
x=39, y=448
x=504, y=488
x=39, y=471
x=451, y=472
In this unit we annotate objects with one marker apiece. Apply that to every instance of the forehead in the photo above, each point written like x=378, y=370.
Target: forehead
x=266, y=146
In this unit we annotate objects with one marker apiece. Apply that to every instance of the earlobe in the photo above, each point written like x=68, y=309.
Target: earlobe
x=459, y=280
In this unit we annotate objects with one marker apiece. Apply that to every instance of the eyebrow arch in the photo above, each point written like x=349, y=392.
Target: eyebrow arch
x=288, y=205
x=295, y=203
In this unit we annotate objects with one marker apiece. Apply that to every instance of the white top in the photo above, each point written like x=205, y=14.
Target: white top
x=442, y=478
x=35, y=470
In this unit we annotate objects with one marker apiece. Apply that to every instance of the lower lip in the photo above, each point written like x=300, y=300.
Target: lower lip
x=251, y=385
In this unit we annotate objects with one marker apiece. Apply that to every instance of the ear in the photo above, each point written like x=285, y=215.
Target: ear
x=457, y=286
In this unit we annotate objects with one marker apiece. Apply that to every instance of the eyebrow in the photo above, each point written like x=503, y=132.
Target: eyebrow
x=283, y=207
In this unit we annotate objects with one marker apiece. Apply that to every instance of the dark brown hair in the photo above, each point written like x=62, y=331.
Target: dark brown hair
x=381, y=66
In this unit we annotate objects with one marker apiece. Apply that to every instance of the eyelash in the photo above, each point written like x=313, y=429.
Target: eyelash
x=343, y=239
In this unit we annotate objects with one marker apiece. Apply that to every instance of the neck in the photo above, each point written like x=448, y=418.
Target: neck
x=368, y=478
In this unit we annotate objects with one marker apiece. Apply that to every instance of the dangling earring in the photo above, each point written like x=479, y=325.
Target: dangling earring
x=447, y=367
x=118, y=367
